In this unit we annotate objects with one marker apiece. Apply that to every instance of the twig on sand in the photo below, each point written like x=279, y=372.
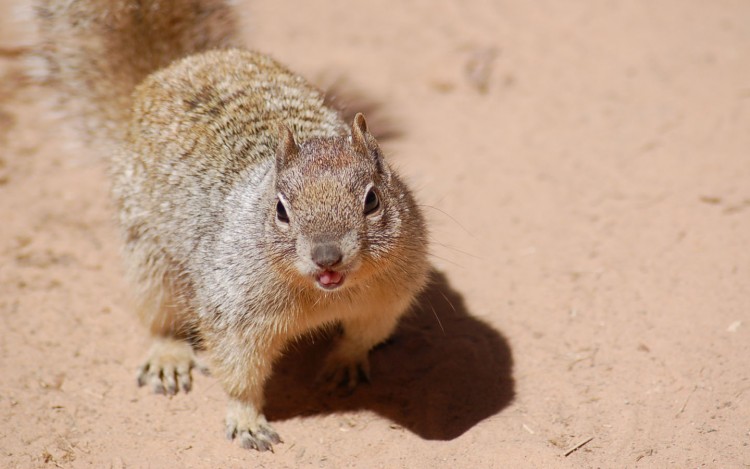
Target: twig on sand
x=687, y=399
x=577, y=446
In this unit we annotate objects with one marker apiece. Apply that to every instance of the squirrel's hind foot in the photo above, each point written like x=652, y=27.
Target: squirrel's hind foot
x=168, y=367
x=337, y=373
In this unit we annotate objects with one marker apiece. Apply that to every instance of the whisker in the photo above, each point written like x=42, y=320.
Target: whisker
x=448, y=246
x=435, y=256
x=434, y=313
x=449, y=302
x=449, y=216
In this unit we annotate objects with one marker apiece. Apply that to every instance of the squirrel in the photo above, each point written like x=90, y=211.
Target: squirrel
x=251, y=213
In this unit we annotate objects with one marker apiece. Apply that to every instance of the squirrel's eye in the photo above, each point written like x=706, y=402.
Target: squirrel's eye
x=281, y=213
x=372, y=203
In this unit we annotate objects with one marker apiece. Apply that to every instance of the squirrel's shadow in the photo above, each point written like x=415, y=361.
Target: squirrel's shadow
x=441, y=373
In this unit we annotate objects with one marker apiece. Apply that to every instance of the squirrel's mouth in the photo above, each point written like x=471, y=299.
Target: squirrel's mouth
x=330, y=279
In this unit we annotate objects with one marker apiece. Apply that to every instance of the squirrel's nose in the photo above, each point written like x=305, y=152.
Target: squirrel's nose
x=326, y=255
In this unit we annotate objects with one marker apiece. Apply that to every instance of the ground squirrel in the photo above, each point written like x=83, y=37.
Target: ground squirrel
x=251, y=213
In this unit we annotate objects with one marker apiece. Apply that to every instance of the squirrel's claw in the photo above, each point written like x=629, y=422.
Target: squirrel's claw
x=168, y=367
x=344, y=375
x=262, y=440
x=251, y=429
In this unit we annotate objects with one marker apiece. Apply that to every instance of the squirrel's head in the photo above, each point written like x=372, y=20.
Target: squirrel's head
x=338, y=212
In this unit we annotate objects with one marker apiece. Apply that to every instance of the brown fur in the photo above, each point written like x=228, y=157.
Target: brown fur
x=206, y=149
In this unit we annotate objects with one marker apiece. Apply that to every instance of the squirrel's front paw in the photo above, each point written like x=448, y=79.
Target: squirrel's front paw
x=168, y=367
x=338, y=372
x=250, y=428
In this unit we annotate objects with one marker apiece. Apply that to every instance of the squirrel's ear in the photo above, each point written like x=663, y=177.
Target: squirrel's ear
x=287, y=150
x=360, y=123
x=360, y=134
x=363, y=141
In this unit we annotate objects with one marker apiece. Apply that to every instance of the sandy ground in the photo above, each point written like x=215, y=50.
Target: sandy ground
x=586, y=170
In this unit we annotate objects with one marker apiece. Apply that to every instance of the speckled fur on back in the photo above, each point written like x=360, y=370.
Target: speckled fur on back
x=251, y=213
x=99, y=50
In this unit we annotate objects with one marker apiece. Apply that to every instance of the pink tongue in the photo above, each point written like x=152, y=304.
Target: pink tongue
x=329, y=277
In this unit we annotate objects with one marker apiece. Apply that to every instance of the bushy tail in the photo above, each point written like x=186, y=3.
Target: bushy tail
x=99, y=50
